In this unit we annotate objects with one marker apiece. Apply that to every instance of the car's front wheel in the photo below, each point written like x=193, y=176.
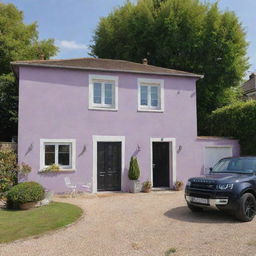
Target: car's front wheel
x=247, y=207
x=194, y=208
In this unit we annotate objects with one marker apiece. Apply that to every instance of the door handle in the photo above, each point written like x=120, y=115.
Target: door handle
x=153, y=165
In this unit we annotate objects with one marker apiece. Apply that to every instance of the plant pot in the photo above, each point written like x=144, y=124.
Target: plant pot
x=135, y=186
x=178, y=188
x=27, y=206
x=147, y=190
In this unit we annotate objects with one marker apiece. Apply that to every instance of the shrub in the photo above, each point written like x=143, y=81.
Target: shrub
x=9, y=171
x=147, y=185
x=238, y=121
x=25, y=192
x=134, y=170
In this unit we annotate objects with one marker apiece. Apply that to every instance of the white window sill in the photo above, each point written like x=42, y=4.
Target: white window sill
x=150, y=110
x=104, y=109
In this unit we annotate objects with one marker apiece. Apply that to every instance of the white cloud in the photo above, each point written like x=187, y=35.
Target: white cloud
x=72, y=45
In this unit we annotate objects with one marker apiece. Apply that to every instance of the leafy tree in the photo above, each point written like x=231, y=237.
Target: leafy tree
x=180, y=34
x=18, y=41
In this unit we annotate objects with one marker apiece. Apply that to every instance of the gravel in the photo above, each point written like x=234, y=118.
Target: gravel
x=158, y=223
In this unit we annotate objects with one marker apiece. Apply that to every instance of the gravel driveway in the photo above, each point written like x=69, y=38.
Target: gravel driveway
x=142, y=224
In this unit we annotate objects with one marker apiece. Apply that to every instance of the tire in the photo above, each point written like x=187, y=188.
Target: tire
x=194, y=208
x=247, y=207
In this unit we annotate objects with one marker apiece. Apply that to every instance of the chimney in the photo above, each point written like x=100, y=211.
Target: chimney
x=252, y=75
x=145, y=61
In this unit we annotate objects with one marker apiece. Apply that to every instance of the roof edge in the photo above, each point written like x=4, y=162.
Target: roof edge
x=105, y=70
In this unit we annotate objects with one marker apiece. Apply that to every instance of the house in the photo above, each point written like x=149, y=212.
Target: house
x=89, y=116
x=249, y=87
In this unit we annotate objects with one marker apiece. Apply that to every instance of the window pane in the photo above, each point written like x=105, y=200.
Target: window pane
x=144, y=95
x=49, y=154
x=108, y=94
x=97, y=93
x=154, y=96
x=64, y=155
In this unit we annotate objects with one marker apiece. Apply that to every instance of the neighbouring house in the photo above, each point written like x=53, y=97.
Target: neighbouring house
x=89, y=116
x=249, y=87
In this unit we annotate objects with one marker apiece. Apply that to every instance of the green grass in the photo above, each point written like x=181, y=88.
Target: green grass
x=170, y=251
x=15, y=224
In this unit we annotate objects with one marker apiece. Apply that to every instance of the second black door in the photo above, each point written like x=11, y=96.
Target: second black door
x=161, y=164
x=109, y=166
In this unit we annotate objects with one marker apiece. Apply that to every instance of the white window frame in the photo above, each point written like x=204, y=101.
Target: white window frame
x=103, y=79
x=71, y=142
x=151, y=83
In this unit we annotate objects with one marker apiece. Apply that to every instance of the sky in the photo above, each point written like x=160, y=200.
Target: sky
x=72, y=22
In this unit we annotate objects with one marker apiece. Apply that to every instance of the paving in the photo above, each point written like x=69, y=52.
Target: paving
x=144, y=224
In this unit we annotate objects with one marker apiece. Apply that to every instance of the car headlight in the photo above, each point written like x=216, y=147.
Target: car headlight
x=188, y=183
x=225, y=186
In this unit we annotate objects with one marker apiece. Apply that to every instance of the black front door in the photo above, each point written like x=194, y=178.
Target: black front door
x=161, y=164
x=109, y=166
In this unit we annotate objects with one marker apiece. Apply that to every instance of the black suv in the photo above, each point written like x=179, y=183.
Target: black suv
x=230, y=186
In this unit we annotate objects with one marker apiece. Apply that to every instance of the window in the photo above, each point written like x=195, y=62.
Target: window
x=59, y=152
x=150, y=95
x=103, y=92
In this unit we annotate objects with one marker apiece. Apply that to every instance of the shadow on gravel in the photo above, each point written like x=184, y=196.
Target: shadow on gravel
x=207, y=216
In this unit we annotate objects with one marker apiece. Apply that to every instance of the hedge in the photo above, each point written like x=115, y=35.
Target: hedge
x=239, y=121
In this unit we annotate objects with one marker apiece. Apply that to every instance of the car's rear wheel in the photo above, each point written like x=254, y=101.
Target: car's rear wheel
x=194, y=208
x=247, y=207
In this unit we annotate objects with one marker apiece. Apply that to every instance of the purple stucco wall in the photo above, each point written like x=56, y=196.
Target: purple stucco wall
x=54, y=105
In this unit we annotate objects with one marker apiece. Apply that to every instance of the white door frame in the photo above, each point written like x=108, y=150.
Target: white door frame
x=216, y=146
x=172, y=158
x=99, y=138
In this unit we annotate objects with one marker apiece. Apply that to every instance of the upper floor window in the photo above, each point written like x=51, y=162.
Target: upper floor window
x=103, y=92
x=150, y=95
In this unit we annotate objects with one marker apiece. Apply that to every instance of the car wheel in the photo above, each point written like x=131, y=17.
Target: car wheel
x=247, y=207
x=194, y=208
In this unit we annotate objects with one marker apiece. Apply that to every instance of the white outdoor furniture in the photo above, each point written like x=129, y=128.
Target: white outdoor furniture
x=70, y=186
x=87, y=186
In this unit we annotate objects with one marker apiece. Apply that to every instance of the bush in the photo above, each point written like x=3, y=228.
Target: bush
x=25, y=192
x=9, y=171
x=134, y=170
x=52, y=168
x=239, y=121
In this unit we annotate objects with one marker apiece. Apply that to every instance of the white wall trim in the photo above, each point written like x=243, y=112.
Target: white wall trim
x=99, y=138
x=172, y=166
x=73, y=153
x=114, y=79
x=156, y=82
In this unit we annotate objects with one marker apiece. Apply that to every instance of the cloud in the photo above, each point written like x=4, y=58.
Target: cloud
x=72, y=45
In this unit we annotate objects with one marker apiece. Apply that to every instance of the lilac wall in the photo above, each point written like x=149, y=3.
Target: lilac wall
x=54, y=105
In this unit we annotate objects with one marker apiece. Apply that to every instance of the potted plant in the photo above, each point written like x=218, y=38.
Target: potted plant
x=52, y=168
x=147, y=186
x=25, y=195
x=178, y=185
x=134, y=174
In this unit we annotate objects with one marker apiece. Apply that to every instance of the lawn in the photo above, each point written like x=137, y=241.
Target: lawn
x=16, y=224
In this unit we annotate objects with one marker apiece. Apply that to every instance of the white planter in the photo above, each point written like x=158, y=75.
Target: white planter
x=135, y=186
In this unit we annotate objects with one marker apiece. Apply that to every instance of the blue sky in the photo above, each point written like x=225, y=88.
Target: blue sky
x=72, y=22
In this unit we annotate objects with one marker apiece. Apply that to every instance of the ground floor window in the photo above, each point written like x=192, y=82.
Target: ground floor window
x=59, y=152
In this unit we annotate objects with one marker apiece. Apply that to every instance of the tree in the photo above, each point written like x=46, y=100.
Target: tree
x=179, y=34
x=18, y=41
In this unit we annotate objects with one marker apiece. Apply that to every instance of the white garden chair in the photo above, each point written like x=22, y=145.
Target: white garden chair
x=87, y=186
x=70, y=186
